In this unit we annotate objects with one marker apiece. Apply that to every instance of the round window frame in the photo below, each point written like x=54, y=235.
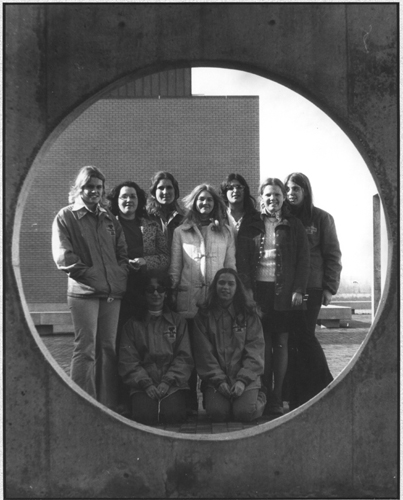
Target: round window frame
x=64, y=123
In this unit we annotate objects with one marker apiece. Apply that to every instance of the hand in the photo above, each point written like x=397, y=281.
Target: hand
x=152, y=392
x=237, y=389
x=162, y=389
x=296, y=299
x=326, y=297
x=135, y=264
x=224, y=390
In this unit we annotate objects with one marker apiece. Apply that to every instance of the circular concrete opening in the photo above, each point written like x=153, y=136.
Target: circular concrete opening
x=117, y=132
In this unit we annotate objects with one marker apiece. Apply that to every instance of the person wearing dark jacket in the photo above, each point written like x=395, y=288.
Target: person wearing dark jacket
x=155, y=359
x=89, y=246
x=241, y=205
x=229, y=351
x=273, y=261
x=313, y=373
x=162, y=204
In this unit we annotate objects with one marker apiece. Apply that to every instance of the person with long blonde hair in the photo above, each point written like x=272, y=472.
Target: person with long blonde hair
x=88, y=244
x=202, y=245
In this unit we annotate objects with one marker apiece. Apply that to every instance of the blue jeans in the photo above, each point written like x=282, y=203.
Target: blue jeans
x=94, y=362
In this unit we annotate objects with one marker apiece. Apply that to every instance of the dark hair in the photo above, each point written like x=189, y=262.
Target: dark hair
x=307, y=204
x=218, y=213
x=273, y=181
x=140, y=312
x=83, y=177
x=153, y=206
x=114, y=195
x=242, y=302
x=249, y=201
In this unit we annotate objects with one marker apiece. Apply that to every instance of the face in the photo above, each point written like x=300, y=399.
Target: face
x=205, y=203
x=295, y=193
x=91, y=192
x=226, y=288
x=235, y=192
x=273, y=198
x=155, y=299
x=165, y=192
x=128, y=202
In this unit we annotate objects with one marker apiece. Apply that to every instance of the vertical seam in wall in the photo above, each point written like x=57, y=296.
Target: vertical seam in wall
x=348, y=63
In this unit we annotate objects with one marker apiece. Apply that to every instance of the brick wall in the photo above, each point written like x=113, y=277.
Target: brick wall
x=197, y=139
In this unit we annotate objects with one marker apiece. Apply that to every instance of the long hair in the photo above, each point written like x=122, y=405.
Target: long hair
x=242, y=302
x=153, y=206
x=83, y=177
x=273, y=181
x=163, y=279
x=307, y=204
x=113, y=197
x=249, y=202
x=217, y=214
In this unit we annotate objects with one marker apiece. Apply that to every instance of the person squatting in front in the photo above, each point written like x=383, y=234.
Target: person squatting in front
x=89, y=246
x=155, y=359
x=229, y=351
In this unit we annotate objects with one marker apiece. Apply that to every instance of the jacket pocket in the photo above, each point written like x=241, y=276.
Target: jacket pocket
x=119, y=281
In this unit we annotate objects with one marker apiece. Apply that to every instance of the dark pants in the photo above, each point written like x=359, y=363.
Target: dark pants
x=275, y=330
x=249, y=406
x=170, y=410
x=308, y=369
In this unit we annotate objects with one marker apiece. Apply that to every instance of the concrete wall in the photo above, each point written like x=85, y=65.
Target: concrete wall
x=60, y=443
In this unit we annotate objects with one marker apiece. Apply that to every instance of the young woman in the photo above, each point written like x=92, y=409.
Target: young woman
x=201, y=246
x=324, y=277
x=89, y=246
x=273, y=261
x=240, y=203
x=162, y=204
x=147, y=247
x=155, y=359
x=229, y=351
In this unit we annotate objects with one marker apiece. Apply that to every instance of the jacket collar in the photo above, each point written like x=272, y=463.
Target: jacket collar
x=166, y=314
x=80, y=207
x=219, y=311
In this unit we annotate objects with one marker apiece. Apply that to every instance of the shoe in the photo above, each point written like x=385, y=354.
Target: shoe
x=274, y=406
x=275, y=409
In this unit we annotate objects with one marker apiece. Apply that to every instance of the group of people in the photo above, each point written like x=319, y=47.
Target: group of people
x=216, y=289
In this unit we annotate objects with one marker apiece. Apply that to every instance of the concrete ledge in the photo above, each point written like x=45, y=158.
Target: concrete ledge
x=334, y=316
x=354, y=304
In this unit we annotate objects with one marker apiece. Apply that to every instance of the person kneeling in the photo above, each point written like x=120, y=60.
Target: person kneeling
x=229, y=351
x=155, y=359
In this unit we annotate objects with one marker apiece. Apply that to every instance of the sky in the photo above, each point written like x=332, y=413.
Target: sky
x=297, y=136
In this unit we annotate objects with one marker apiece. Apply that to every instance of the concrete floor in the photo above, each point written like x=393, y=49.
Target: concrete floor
x=339, y=346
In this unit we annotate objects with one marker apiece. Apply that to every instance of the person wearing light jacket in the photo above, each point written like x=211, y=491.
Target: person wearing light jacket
x=229, y=351
x=201, y=246
x=89, y=246
x=155, y=360
x=313, y=373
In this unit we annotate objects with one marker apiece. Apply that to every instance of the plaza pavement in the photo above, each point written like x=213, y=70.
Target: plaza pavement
x=339, y=345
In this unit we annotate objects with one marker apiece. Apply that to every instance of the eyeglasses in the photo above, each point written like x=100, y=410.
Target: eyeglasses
x=231, y=187
x=128, y=197
x=151, y=289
